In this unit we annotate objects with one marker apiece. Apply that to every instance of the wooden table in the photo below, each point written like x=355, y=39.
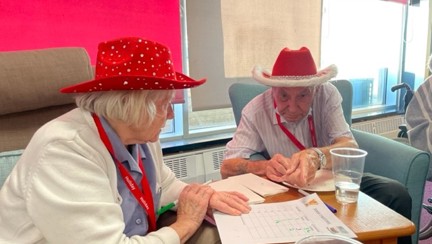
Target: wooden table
x=370, y=220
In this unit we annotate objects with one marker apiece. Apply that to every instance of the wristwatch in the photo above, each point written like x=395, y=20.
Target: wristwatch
x=322, y=158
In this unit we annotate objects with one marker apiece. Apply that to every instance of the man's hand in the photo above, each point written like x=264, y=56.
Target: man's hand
x=280, y=166
x=298, y=170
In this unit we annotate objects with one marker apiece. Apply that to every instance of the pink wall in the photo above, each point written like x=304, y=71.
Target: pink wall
x=34, y=24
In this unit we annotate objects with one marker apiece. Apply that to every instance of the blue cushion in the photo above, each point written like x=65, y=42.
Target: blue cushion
x=8, y=160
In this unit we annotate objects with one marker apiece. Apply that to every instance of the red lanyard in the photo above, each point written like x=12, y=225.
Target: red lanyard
x=298, y=144
x=144, y=197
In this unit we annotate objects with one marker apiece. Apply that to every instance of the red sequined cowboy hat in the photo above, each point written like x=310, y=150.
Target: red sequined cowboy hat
x=134, y=63
x=294, y=68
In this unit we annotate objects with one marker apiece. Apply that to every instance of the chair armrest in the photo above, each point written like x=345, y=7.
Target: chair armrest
x=398, y=161
x=392, y=159
x=257, y=157
x=8, y=160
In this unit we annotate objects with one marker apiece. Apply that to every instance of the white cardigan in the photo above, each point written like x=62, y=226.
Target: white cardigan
x=64, y=189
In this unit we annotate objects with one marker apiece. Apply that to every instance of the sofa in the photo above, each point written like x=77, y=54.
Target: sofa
x=29, y=84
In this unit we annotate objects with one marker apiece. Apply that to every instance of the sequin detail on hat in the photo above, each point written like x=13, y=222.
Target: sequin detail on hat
x=115, y=61
x=124, y=64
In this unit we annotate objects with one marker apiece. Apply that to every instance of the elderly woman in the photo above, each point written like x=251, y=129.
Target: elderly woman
x=96, y=173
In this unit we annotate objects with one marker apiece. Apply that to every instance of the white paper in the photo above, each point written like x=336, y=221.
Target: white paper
x=280, y=222
x=232, y=185
x=259, y=185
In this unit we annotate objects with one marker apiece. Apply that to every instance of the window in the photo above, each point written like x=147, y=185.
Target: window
x=375, y=44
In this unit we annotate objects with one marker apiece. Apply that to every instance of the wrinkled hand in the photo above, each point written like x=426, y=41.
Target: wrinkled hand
x=192, y=204
x=300, y=169
x=233, y=203
x=306, y=168
x=279, y=167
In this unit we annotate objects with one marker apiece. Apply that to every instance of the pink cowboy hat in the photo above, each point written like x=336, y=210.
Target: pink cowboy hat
x=134, y=63
x=294, y=68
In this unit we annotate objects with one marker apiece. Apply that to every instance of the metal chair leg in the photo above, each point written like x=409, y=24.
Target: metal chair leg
x=428, y=208
x=425, y=231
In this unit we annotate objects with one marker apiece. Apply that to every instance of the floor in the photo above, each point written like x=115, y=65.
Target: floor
x=425, y=216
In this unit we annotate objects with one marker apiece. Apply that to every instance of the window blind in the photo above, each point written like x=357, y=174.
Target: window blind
x=227, y=38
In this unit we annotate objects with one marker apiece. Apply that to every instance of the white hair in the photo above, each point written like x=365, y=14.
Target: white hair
x=135, y=108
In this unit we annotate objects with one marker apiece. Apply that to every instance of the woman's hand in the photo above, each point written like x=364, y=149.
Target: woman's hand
x=192, y=207
x=233, y=203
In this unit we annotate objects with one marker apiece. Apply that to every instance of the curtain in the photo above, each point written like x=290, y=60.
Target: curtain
x=228, y=38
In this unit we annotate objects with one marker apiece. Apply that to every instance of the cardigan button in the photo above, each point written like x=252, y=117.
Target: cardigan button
x=138, y=221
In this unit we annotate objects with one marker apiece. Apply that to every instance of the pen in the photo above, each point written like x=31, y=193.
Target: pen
x=170, y=205
x=167, y=207
x=304, y=193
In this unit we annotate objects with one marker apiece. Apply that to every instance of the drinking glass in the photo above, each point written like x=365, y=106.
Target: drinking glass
x=347, y=167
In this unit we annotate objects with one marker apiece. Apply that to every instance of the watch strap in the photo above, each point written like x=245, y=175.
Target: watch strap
x=321, y=156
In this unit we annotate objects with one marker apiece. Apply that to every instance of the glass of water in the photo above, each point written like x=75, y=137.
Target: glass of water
x=327, y=239
x=347, y=166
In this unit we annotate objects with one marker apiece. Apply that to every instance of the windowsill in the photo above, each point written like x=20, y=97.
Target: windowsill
x=373, y=115
x=201, y=142
x=196, y=143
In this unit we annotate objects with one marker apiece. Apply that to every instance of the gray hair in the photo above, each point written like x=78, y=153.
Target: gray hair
x=135, y=108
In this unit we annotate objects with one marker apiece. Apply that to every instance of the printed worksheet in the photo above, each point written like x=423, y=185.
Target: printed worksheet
x=281, y=222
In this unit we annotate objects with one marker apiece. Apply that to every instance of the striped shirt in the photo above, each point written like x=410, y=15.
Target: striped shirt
x=259, y=132
x=419, y=117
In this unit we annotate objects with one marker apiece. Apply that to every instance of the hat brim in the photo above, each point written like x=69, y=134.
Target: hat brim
x=133, y=83
x=264, y=77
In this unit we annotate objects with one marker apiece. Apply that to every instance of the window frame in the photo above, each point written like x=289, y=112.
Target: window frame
x=182, y=128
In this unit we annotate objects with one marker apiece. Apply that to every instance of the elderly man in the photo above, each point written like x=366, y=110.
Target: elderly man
x=296, y=123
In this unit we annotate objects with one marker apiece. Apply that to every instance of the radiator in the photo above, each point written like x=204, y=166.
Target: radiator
x=196, y=166
x=388, y=126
